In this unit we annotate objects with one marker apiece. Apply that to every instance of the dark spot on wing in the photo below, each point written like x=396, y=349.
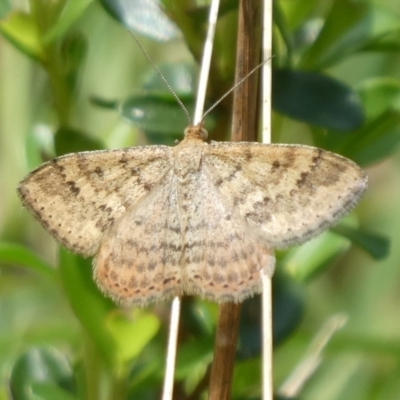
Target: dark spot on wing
x=219, y=182
x=275, y=165
x=248, y=155
x=74, y=189
x=316, y=159
x=99, y=171
x=302, y=180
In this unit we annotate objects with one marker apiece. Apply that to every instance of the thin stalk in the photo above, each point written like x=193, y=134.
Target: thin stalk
x=244, y=127
x=168, y=387
x=224, y=352
x=205, y=67
x=267, y=338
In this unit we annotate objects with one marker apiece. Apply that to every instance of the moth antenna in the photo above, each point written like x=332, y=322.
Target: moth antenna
x=234, y=87
x=162, y=77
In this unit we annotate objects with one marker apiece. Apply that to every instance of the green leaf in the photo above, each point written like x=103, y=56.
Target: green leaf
x=89, y=305
x=39, y=366
x=144, y=17
x=378, y=140
x=385, y=44
x=349, y=27
x=192, y=355
x=21, y=30
x=20, y=255
x=72, y=10
x=68, y=140
x=181, y=77
x=378, y=246
x=247, y=379
x=74, y=49
x=198, y=317
x=39, y=145
x=374, y=141
x=132, y=331
x=162, y=119
x=380, y=95
x=343, y=17
x=118, y=337
x=305, y=262
x=294, y=13
x=316, y=99
x=50, y=391
x=158, y=113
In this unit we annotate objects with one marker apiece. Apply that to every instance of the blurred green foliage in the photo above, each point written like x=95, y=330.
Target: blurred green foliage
x=72, y=79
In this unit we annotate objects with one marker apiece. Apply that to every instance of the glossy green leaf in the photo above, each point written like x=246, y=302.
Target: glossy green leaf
x=162, y=119
x=142, y=16
x=158, y=113
x=378, y=246
x=316, y=99
x=21, y=30
x=39, y=366
x=22, y=256
x=68, y=140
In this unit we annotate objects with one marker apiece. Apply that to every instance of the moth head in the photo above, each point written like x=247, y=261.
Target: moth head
x=196, y=132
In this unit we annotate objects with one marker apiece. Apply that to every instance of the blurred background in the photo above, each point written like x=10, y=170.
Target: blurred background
x=72, y=78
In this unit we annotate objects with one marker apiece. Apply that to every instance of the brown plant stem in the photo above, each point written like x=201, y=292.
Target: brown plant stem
x=244, y=128
x=245, y=99
x=224, y=352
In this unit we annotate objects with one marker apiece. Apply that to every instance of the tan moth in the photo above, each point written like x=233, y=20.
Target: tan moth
x=198, y=218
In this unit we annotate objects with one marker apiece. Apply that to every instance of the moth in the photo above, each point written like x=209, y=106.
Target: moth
x=198, y=218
